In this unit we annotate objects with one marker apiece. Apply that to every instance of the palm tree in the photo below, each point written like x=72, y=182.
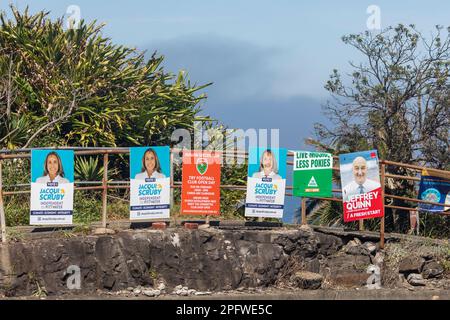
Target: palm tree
x=76, y=87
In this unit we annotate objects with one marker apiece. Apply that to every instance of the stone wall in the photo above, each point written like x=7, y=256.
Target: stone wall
x=207, y=259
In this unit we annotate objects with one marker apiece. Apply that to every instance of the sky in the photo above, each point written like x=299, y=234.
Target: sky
x=268, y=59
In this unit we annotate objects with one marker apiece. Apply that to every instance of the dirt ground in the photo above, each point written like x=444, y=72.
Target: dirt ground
x=271, y=294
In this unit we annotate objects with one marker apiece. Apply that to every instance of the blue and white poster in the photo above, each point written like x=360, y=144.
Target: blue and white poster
x=149, y=183
x=52, y=185
x=266, y=183
x=434, y=187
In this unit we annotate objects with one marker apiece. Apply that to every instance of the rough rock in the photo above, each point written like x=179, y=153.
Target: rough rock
x=307, y=280
x=347, y=270
x=378, y=259
x=427, y=255
x=354, y=247
x=416, y=279
x=151, y=293
x=432, y=269
x=182, y=292
x=179, y=287
x=137, y=291
x=306, y=228
x=184, y=262
x=370, y=246
x=328, y=244
x=161, y=287
x=411, y=264
x=312, y=265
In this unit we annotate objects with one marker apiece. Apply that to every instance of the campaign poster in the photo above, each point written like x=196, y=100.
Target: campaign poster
x=200, y=190
x=266, y=183
x=52, y=185
x=149, y=183
x=434, y=187
x=312, y=174
x=361, y=187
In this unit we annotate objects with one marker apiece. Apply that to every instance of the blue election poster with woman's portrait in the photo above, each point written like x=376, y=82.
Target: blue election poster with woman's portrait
x=149, y=183
x=52, y=185
x=266, y=183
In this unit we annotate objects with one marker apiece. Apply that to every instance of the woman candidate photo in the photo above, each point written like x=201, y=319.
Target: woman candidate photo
x=268, y=167
x=53, y=170
x=151, y=167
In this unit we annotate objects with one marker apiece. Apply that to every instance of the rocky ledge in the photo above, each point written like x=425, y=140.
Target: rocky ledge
x=197, y=262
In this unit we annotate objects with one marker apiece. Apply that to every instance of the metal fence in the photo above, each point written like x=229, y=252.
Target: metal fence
x=106, y=184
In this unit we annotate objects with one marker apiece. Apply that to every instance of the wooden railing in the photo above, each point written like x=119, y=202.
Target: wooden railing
x=106, y=184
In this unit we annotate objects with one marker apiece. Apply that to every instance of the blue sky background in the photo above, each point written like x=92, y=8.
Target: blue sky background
x=346, y=166
x=38, y=163
x=254, y=161
x=268, y=59
x=136, y=154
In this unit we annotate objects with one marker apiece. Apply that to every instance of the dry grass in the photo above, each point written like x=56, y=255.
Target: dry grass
x=395, y=252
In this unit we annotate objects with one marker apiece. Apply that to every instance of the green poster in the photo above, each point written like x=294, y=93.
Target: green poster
x=312, y=174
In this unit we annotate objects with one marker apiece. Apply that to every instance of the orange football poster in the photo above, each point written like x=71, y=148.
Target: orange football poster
x=200, y=190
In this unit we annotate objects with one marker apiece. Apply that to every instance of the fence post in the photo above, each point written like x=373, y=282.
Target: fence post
x=304, y=222
x=171, y=180
x=105, y=189
x=361, y=225
x=2, y=210
x=172, y=188
x=383, y=177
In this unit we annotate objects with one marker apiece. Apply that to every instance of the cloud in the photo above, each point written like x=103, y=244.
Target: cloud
x=293, y=116
x=254, y=87
x=245, y=77
x=237, y=68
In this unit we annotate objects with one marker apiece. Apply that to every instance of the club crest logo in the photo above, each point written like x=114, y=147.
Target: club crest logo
x=202, y=165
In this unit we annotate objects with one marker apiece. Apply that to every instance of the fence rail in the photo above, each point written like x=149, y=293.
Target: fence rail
x=104, y=185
